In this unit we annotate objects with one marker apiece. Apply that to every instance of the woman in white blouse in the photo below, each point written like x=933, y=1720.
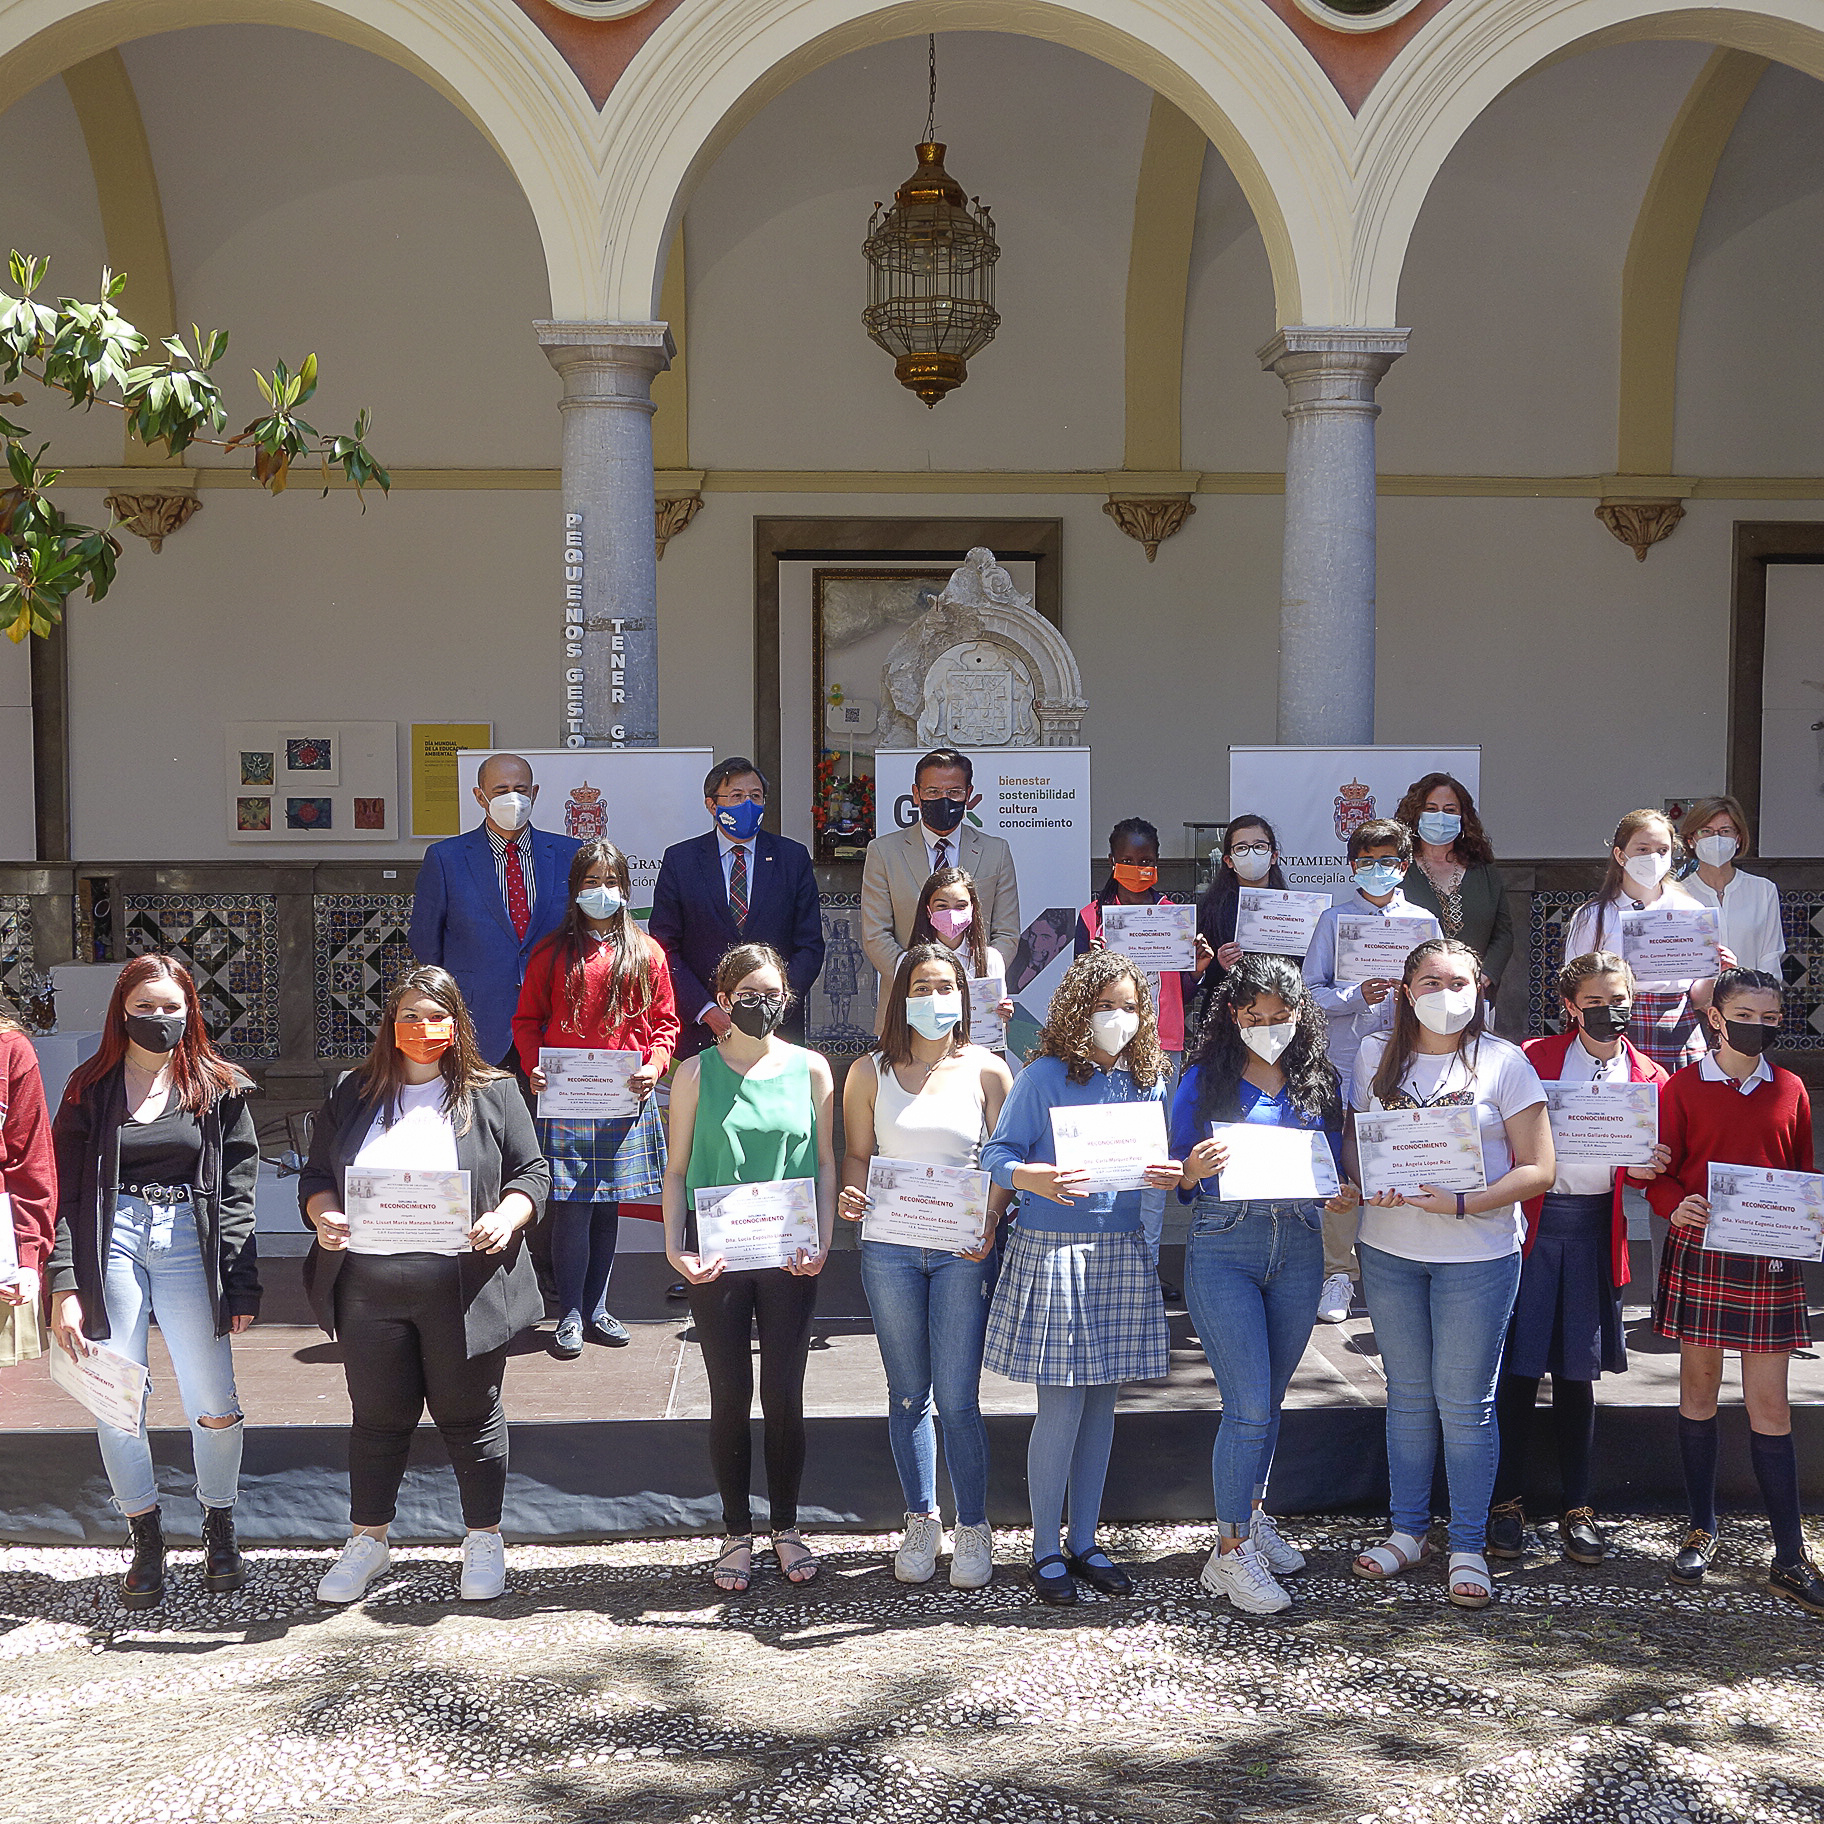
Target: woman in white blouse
x=1716, y=832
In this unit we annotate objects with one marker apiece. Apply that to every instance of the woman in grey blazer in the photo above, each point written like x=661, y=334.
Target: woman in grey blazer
x=1453, y=873
x=425, y=1306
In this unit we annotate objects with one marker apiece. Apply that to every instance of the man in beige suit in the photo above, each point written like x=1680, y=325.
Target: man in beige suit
x=901, y=861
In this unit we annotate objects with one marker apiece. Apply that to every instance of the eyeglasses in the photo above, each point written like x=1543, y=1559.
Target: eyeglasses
x=931, y=795
x=752, y=997
x=740, y=797
x=1251, y=848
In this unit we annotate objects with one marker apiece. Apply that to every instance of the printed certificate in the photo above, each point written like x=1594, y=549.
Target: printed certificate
x=757, y=1225
x=986, y=1027
x=1376, y=949
x=9, y=1243
x=407, y=1212
x=1271, y=923
x=926, y=1206
x=1113, y=1141
x=1405, y=1149
x=587, y=1085
x=1756, y=1210
x=1603, y=1123
x=1274, y=1163
x=1153, y=938
x=112, y=1387
x=1674, y=946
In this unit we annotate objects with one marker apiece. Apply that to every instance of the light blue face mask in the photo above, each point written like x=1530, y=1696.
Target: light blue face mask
x=600, y=902
x=1378, y=877
x=933, y=1015
x=1440, y=826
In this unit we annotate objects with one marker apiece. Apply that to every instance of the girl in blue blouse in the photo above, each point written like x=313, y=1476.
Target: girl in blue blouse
x=1077, y=1310
x=1253, y=1268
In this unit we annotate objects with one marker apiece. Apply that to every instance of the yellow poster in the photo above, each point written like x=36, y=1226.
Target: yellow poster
x=435, y=746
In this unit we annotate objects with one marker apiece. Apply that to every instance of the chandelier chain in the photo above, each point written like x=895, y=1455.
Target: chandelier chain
x=931, y=110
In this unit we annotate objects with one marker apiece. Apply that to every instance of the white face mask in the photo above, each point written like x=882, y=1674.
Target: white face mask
x=1447, y=1010
x=1713, y=851
x=1251, y=866
x=1114, y=1029
x=1647, y=870
x=1267, y=1042
x=509, y=810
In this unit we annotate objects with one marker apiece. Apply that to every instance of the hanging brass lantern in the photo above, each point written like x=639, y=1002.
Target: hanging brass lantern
x=931, y=273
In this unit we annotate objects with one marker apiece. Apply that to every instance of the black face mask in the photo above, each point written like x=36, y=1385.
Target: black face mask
x=757, y=1022
x=1750, y=1039
x=943, y=816
x=155, y=1031
x=1601, y=1024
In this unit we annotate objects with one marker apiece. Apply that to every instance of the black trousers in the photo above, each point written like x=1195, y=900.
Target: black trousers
x=725, y=1313
x=399, y=1319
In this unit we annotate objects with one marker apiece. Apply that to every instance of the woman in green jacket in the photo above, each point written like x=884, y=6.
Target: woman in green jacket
x=1453, y=873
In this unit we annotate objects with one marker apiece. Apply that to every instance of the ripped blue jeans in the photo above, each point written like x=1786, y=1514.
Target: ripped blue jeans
x=930, y=1318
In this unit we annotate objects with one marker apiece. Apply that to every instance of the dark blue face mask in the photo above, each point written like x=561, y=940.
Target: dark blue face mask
x=738, y=822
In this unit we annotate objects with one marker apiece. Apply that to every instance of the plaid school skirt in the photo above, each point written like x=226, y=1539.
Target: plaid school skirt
x=606, y=1161
x=1730, y=1301
x=1666, y=1027
x=1075, y=1310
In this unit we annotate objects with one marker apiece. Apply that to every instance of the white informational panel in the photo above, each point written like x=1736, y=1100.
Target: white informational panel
x=1314, y=796
x=1037, y=798
x=1792, y=713
x=642, y=799
x=313, y=781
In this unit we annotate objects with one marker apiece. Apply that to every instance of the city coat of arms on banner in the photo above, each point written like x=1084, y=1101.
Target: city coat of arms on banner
x=1354, y=806
x=585, y=815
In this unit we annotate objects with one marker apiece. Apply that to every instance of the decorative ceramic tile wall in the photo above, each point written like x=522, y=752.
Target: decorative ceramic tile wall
x=360, y=951
x=230, y=943
x=1551, y=916
x=19, y=979
x=1802, y=914
x=841, y=1013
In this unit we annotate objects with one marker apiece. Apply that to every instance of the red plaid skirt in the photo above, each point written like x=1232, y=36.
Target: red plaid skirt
x=1666, y=1028
x=1730, y=1301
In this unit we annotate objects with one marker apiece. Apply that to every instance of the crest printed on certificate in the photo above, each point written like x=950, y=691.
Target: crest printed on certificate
x=1153, y=938
x=1405, y=1149
x=1271, y=923
x=1757, y=1210
x=1376, y=949
x=1603, y=1123
x=1674, y=946
x=748, y=1226
x=1113, y=1141
x=587, y=1085
x=1274, y=1163
x=109, y=1384
x=926, y=1206
x=407, y=1212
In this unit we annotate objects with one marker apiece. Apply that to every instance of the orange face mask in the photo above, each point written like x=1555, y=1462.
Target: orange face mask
x=424, y=1041
x=1135, y=880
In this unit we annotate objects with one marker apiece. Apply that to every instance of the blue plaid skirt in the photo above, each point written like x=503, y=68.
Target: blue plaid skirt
x=1077, y=1311
x=606, y=1161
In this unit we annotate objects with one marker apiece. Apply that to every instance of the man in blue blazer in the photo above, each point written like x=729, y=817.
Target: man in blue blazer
x=703, y=886
x=485, y=900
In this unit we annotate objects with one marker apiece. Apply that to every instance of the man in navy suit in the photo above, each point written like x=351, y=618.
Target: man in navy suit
x=735, y=884
x=487, y=899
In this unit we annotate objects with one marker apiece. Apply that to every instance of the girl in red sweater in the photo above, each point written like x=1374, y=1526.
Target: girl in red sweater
x=28, y=1180
x=1732, y=1108
x=597, y=983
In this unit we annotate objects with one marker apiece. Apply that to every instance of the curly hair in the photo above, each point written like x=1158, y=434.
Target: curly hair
x=1312, y=1084
x=1066, y=1033
x=1472, y=847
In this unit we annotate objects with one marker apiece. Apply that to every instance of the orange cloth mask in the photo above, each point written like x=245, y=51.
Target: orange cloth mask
x=1135, y=880
x=424, y=1041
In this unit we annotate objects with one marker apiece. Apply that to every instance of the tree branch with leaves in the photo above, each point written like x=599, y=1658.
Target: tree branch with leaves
x=93, y=356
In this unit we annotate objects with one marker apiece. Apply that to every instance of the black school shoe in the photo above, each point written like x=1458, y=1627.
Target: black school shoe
x=1799, y=1583
x=1583, y=1544
x=1694, y=1556
x=1507, y=1530
x=610, y=1330
x=1109, y=1578
x=1053, y=1586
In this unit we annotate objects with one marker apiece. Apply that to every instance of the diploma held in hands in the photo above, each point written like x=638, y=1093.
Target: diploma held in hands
x=408, y=1212
x=1603, y=1123
x=1376, y=949
x=1274, y=1163
x=1271, y=923
x=1113, y=1141
x=1755, y=1210
x=757, y=1225
x=1155, y=938
x=1674, y=946
x=107, y=1382
x=926, y=1206
x=9, y=1243
x=986, y=1027
x=588, y=1085
x=1405, y=1149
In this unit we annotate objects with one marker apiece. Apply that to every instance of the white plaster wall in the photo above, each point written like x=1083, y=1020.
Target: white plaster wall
x=1750, y=383
x=18, y=824
x=782, y=375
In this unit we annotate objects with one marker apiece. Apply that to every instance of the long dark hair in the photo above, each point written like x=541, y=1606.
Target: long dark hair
x=631, y=986
x=463, y=1067
x=894, y=1045
x=1216, y=909
x=1404, y=1038
x=925, y=932
x=199, y=1072
x=1312, y=1084
x=1472, y=848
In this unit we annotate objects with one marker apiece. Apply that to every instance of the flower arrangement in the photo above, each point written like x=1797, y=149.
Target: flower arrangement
x=843, y=806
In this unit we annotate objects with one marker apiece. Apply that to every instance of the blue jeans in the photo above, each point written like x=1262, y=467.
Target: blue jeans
x=155, y=1268
x=1152, y=1202
x=930, y=1317
x=1251, y=1278
x=1440, y=1326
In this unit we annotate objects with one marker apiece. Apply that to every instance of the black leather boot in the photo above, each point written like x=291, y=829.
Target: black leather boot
x=224, y=1568
x=143, y=1587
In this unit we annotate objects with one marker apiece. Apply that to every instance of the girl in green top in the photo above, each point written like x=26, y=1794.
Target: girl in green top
x=755, y=1110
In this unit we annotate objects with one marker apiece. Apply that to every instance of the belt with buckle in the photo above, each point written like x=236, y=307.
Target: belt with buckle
x=163, y=1194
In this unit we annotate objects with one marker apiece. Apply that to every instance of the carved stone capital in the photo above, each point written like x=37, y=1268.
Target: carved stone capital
x=153, y=517
x=1149, y=522
x=1640, y=524
x=671, y=513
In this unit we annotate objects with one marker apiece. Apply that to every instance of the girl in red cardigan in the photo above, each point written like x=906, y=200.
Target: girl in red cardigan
x=1731, y=1107
x=28, y=1179
x=597, y=983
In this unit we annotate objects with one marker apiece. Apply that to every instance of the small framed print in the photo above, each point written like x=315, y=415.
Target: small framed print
x=256, y=768
x=370, y=813
x=309, y=813
x=253, y=813
x=310, y=759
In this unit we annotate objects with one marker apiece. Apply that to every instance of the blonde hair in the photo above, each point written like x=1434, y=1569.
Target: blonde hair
x=1705, y=808
x=1066, y=1033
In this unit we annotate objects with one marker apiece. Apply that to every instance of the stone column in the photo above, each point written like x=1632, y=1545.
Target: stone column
x=610, y=665
x=1326, y=612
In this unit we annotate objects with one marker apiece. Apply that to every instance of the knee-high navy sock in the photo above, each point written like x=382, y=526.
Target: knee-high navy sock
x=1776, y=1468
x=1697, y=1450
x=1574, y=1419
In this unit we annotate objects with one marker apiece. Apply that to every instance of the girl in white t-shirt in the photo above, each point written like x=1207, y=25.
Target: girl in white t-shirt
x=1440, y=1268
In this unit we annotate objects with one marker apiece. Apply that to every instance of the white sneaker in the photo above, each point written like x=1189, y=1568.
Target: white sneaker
x=1248, y=1584
x=1337, y=1296
x=484, y=1567
x=972, y=1557
x=363, y=1559
x=916, y=1559
x=1279, y=1557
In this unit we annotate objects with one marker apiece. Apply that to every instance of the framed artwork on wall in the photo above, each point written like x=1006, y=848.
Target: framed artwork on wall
x=312, y=782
